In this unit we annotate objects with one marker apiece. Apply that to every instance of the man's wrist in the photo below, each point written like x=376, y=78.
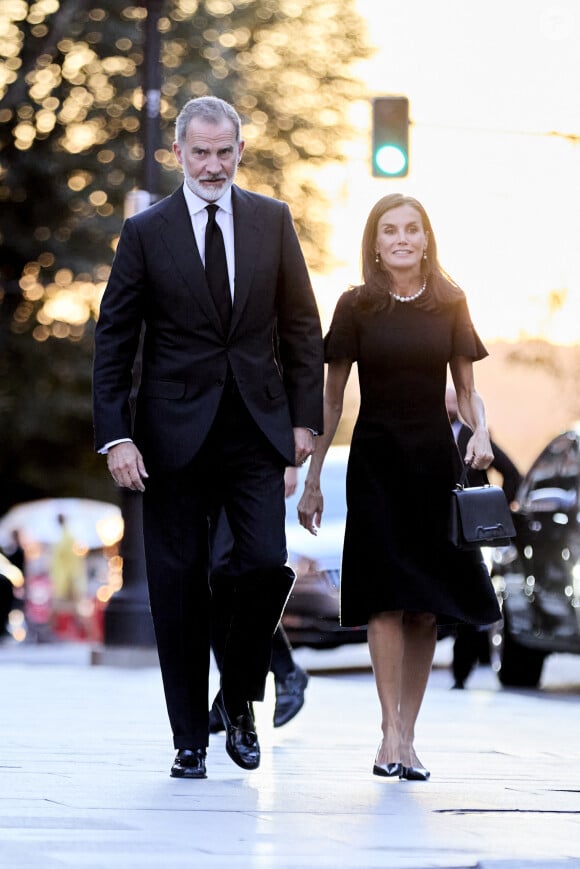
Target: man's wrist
x=104, y=450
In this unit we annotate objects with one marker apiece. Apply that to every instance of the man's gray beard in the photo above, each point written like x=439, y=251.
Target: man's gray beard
x=204, y=192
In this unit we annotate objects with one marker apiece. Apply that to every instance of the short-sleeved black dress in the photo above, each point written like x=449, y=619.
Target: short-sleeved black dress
x=403, y=464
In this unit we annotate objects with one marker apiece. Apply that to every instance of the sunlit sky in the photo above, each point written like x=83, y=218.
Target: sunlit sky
x=487, y=84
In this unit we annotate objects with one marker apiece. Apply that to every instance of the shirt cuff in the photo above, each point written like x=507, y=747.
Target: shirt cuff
x=104, y=450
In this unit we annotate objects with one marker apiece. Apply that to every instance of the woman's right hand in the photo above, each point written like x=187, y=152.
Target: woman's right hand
x=310, y=507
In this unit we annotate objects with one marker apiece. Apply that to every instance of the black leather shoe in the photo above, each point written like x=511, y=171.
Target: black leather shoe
x=189, y=763
x=415, y=773
x=388, y=770
x=241, y=738
x=216, y=724
x=289, y=696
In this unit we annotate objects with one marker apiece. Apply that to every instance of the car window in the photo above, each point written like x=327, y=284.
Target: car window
x=557, y=471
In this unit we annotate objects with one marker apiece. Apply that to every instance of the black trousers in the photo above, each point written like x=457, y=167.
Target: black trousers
x=223, y=585
x=470, y=647
x=238, y=470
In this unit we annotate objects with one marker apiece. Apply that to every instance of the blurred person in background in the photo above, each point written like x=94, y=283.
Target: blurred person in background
x=404, y=326
x=6, y=603
x=14, y=552
x=68, y=577
x=471, y=644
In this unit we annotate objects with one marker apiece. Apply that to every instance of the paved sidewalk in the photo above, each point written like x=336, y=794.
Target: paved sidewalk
x=84, y=776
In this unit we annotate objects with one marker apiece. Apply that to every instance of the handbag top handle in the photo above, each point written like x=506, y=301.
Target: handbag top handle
x=463, y=481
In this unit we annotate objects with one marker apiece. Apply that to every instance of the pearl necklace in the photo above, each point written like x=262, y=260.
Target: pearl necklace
x=410, y=298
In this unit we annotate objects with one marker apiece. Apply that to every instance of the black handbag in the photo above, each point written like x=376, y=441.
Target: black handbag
x=480, y=515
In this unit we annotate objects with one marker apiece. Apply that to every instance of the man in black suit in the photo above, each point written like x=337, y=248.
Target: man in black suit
x=471, y=643
x=216, y=418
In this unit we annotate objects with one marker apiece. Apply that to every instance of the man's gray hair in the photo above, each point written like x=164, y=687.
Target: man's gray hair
x=209, y=109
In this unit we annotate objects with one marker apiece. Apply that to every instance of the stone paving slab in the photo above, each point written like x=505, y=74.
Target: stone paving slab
x=85, y=753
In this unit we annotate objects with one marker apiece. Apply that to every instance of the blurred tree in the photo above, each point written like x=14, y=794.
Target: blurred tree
x=71, y=149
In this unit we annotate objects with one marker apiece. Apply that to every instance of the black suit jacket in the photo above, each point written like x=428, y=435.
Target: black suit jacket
x=511, y=477
x=158, y=279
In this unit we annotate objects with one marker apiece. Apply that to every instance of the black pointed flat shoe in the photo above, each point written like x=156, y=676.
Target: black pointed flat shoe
x=388, y=770
x=289, y=696
x=189, y=763
x=241, y=738
x=415, y=773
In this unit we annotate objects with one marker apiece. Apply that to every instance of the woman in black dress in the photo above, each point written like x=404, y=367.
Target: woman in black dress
x=405, y=327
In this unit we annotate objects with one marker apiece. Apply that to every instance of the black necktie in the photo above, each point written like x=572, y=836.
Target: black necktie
x=216, y=267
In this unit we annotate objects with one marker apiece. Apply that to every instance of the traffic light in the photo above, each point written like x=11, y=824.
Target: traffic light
x=390, y=137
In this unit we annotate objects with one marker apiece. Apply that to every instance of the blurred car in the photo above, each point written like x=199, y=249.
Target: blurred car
x=311, y=617
x=538, y=578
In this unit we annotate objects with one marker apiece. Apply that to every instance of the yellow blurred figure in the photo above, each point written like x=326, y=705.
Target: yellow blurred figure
x=67, y=569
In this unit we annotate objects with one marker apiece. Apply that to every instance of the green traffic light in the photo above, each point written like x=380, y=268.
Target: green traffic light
x=390, y=136
x=391, y=160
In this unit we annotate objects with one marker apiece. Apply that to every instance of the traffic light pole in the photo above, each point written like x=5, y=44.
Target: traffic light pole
x=152, y=93
x=129, y=638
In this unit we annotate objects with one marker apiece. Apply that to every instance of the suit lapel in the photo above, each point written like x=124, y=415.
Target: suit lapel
x=177, y=234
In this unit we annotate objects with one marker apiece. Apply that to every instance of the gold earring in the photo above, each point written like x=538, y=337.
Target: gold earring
x=425, y=254
x=377, y=257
